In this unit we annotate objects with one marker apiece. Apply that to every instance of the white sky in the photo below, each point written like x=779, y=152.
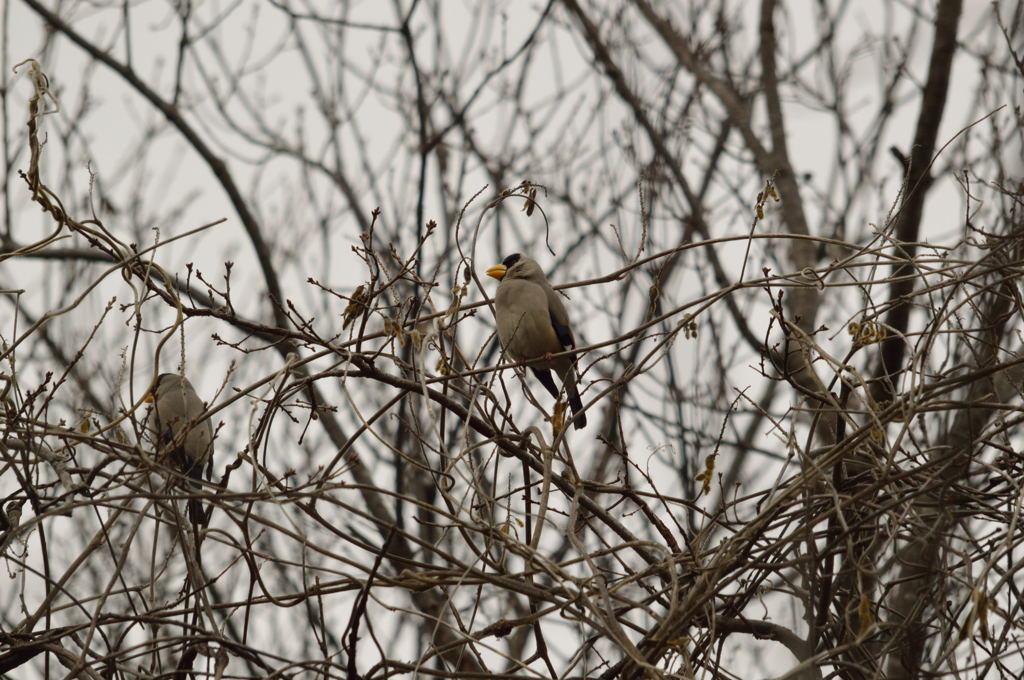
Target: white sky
x=176, y=186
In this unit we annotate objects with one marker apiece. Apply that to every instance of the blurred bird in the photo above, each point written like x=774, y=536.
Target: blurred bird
x=179, y=433
x=532, y=325
x=10, y=520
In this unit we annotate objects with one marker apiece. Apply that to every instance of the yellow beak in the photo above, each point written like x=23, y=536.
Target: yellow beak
x=497, y=271
x=148, y=399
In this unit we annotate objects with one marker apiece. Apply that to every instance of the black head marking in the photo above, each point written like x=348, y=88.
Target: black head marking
x=511, y=260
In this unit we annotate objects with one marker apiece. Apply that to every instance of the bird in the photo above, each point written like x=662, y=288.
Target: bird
x=532, y=325
x=175, y=422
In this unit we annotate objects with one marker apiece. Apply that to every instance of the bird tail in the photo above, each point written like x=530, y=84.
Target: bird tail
x=194, y=470
x=569, y=379
x=575, y=404
x=196, y=513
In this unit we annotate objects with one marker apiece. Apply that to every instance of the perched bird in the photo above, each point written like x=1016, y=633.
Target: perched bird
x=179, y=433
x=532, y=325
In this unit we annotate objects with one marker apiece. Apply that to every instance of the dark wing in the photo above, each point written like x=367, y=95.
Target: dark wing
x=562, y=331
